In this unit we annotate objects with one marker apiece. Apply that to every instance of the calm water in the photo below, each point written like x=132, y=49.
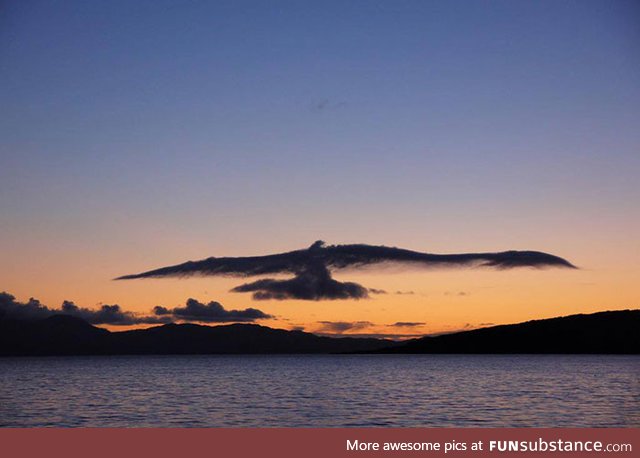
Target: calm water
x=264, y=391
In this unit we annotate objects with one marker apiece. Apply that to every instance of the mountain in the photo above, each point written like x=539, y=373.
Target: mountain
x=66, y=335
x=234, y=339
x=616, y=332
x=56, y=335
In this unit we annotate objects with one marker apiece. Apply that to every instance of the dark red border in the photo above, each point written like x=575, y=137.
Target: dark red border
x=284, y=442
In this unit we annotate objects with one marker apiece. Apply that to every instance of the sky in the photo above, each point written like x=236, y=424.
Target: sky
x=135, y=135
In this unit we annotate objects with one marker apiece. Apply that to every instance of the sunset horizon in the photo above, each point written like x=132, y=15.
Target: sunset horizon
x=351, y=214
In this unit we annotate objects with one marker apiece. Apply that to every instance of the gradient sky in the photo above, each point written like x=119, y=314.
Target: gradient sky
x=135, y=135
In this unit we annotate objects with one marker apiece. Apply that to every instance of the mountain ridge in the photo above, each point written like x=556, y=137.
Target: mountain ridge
x=67, y=335
x=608, y=332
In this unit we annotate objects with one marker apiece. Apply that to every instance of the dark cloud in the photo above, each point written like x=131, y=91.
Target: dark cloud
x=405, y=293
x=211, y=312
x=376, y=291
x=109, y=314
x=312, y=268
x=34, y=310
x=10, y=309
x=406, y=324
x=338, y=327
x=314, y=283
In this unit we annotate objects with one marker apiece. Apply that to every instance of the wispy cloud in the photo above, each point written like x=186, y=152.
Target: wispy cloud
x=356, y=328
x=325, y=105
x=339, y=327
x=457, y=293
x=406, y=324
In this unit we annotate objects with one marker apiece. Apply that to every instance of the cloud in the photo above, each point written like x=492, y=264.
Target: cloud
x=10, y=309
x=109, y=314
x=338, y=327
x=326, y=104
x=314, y=283
x=406, y=324
x=406, y=293
x=371, y=335
x=376, y=291
x=34, y=310
x=458, y=293
x=374, y=335
x=211, y=312
x=311, y=268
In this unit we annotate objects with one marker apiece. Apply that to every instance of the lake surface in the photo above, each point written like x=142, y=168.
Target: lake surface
x=321, y=391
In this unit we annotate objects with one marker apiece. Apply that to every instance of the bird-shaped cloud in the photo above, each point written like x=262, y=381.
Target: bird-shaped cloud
x=312, y=268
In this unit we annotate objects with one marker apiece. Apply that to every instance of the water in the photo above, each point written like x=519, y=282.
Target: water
x=321, y=391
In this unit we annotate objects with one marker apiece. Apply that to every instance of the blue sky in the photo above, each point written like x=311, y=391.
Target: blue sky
x=151, y=131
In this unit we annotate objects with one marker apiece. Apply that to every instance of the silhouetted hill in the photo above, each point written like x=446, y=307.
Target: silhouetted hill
x=234, y=339
x=605, y=332
x=616, y=332
x=66, y=335
x=56, y=335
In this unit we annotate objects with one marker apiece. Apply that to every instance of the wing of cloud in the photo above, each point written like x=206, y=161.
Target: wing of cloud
x=211, y=312
x=312, y=268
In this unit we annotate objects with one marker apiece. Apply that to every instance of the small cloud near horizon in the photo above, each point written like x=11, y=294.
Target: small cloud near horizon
x=339, y=327
x=108, y=314
x=211, y=312
x=372, y=335
x=347, y=328
x=457, y=293
x=114, y=315
x=406, y=324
